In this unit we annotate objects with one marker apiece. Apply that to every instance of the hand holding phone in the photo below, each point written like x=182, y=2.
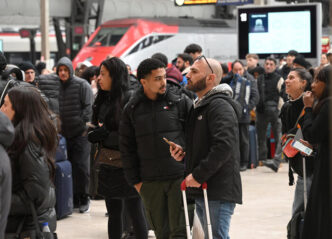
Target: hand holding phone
x=302, y=147
x=175, y=150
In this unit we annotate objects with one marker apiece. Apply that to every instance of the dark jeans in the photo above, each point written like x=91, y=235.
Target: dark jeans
x=262, y=121
x=78, y=149
x=163, y=207
x=115, y=215
x=244, y=143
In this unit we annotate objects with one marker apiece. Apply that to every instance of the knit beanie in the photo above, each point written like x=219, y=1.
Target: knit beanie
x=26, y=65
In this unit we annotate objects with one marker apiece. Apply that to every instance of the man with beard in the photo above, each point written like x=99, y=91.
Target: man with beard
x=156, y=110
x=212, y=152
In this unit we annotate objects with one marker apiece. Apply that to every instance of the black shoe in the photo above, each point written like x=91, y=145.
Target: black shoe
x=84, y=204
x=271, y=164
x=243, y=168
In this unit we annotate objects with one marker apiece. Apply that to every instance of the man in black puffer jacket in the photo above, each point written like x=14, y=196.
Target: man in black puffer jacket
x=155, y=111
x=75, y=106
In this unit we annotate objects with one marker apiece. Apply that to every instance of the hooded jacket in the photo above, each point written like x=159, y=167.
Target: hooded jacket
x=212, y=146
x=75, y=102
x=6, y=139
x=174, y=74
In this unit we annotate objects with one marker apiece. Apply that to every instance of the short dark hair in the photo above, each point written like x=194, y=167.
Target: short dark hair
x=237, y=61
x=271, y=59
x=161, y=57
x=186, y=57
x=193, y=48
x=148, y=65
x=224, y=68
x=292, y=53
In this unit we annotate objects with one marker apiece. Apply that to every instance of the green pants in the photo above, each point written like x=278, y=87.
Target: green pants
x=163, y=207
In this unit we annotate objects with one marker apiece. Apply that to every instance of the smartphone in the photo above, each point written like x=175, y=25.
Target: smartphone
x=91, y=125
x=301, y=147
x=167, y=141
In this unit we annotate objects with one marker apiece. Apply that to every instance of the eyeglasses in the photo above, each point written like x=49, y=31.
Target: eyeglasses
x=202, y=56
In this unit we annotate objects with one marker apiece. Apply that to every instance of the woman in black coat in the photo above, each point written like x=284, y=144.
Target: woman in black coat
x=317, y=220
x=297, y=82
x=107, y=109
x=31, y=155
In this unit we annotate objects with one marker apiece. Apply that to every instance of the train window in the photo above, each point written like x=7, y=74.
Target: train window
x=108, y=36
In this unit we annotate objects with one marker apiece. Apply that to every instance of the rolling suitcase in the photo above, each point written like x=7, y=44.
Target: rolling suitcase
x=185, y=205
x=253, y=149
x=63, y=189
x=61, y=151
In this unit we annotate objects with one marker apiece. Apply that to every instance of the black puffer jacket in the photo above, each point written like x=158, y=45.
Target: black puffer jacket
x=144, y=123
x=50, y=86
x=75, y=103
x=212, y=147
x=31, y=178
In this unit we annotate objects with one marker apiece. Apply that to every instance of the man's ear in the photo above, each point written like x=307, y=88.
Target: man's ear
x=211, y=78
x=143, y=81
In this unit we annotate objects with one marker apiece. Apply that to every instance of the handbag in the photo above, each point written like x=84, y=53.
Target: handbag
x=106, y=156
x=287, y=148
x=35, y=233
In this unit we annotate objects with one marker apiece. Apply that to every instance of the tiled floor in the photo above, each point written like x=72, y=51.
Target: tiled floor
x=265, y=212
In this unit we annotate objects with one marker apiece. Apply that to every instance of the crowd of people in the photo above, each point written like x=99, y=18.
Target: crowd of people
x=202, y=109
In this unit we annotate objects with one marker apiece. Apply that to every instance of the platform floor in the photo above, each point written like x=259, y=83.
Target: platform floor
x=266, y=210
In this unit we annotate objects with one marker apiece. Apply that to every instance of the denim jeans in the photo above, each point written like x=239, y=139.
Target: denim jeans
x=220, y=215
x=298, y=203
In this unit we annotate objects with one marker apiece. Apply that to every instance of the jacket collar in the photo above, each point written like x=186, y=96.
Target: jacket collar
x=171, y=96
x=224, y=89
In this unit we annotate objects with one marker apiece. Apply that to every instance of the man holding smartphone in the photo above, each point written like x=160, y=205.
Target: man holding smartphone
x=155, y=111
x=212, y=153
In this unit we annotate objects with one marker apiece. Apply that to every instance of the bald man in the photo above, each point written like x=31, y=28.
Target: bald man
x=212, y=146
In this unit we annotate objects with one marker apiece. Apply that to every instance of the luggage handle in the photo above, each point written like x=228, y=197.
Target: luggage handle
x=184, y=186
x=184, y=197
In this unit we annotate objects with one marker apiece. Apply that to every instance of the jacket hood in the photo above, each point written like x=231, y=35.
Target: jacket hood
x=6, y=131
x=224, y=89
x=174, y=73
x=65, y=61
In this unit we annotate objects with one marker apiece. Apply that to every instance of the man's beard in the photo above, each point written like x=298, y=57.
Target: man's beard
x=198, y=86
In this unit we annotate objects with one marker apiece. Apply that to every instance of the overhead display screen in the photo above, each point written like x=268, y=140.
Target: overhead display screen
x=276, y=30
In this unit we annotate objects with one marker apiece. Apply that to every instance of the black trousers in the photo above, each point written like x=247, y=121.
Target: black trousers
x=134, y=207
x=262, y=121
x=244, y=143
x=78, y=149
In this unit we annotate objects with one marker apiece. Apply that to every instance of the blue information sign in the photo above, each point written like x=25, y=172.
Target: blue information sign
x=234, y=2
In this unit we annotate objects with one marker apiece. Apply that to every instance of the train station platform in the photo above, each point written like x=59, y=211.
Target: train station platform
x=265, y=212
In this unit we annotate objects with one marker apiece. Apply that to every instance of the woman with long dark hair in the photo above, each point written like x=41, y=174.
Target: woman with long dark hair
x=31, y=155
x=107, y=109
x=316, y=130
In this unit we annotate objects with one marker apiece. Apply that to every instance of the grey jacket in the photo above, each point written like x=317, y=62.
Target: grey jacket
x=6, y=139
